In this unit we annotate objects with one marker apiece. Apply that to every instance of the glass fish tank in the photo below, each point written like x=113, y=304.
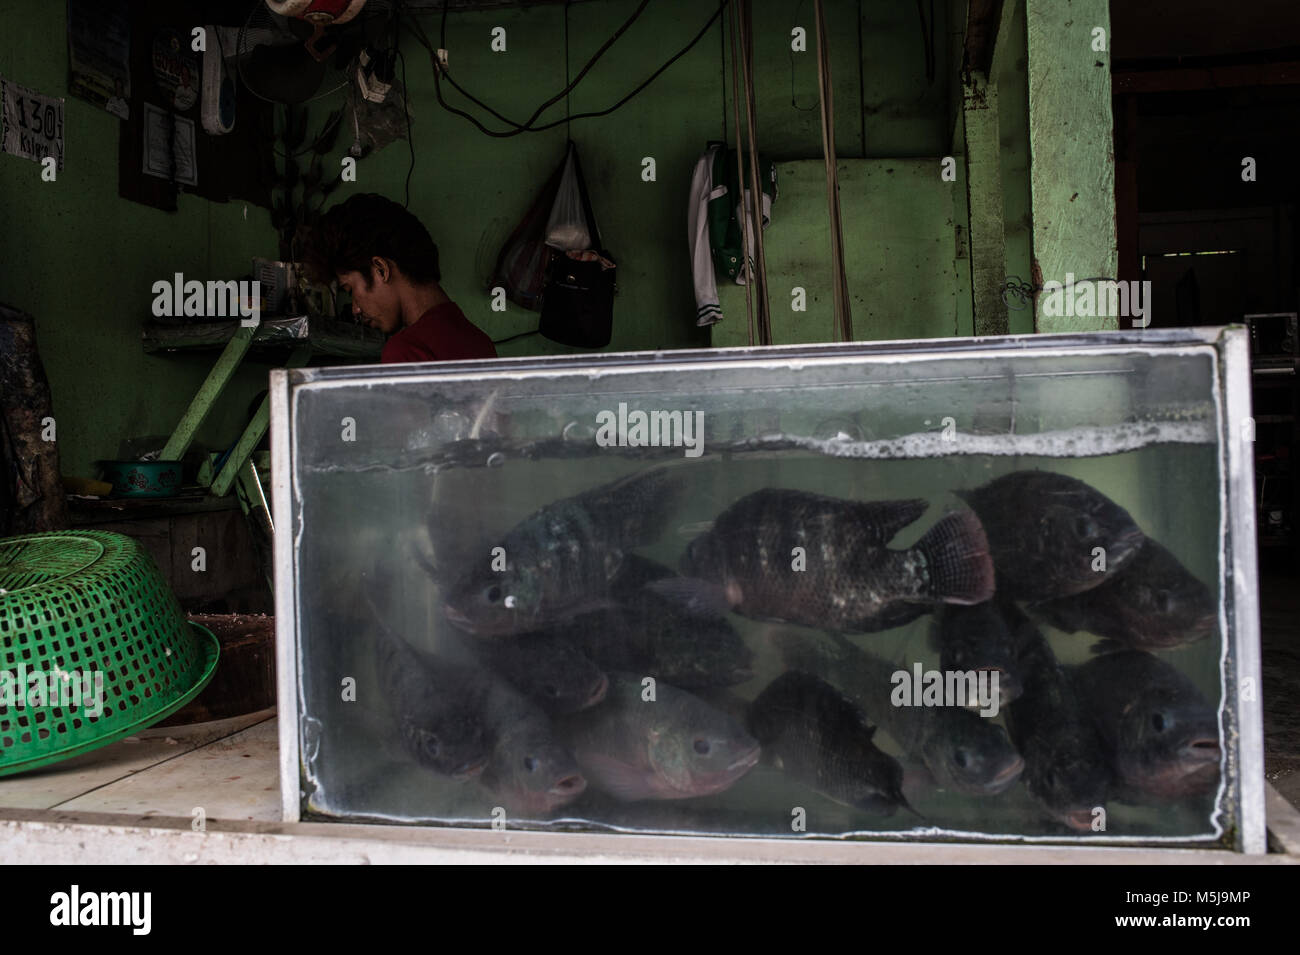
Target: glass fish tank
x=995, y=589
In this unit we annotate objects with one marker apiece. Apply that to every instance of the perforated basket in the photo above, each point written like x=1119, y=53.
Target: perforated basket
x=74, y=604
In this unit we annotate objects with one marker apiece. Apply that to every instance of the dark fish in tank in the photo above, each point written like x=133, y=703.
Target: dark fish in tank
x=1044, y=530
x=963, y=752
x=1067, y=771
x=547, y=668
x=809, y=730
x=530, y=771
x=844, y=578
x=437, y=706
x=559, y=561
x=1153, y=603
x=978, y=638
x=1161, y=733
x=651, y=635
x=674, y=746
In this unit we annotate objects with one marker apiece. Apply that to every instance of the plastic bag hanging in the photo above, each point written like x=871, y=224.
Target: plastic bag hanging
x=567, y=228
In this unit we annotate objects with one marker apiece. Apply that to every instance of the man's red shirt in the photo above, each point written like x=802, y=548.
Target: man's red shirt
x=443, y=333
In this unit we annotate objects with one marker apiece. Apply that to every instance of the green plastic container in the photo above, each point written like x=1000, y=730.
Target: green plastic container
x=88, y=616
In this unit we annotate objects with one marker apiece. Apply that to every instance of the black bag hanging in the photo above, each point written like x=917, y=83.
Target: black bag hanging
x=578, y=300
x=521, y=265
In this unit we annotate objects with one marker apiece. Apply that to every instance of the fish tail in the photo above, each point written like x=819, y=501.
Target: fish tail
x=957, y=551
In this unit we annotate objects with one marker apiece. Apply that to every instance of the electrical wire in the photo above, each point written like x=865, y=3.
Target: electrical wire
x=502, y=341
x=927, y=38
x=794, y=102
x=740, y=166
x=440, y=72
x=410, y=142
x=570, y=84
x=843, y=328
x=763, y=310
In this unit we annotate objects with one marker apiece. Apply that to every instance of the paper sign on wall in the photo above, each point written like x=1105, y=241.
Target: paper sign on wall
x=31, y=124
x=169, y=146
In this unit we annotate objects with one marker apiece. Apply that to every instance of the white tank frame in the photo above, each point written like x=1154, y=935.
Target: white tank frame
x=1242, y=710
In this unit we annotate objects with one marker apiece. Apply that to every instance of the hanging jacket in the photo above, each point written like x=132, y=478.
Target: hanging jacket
x=713, y=221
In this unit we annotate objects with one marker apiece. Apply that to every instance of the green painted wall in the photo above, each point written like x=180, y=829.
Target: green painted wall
x=898, y=253
x=471, y=189
x=83, y=262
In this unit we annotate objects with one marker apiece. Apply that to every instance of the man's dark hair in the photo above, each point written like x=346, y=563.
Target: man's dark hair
x=364, y=226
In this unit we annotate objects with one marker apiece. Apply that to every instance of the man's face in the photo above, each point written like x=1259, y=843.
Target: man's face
x=374, y=297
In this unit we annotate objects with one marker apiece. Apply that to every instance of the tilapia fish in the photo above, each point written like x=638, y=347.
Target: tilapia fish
x=977, y=638
x=1067, y=771
x=851, y=582
x=437, y=705
x=809, y=730
x=675, y=746
x=547, y=668
x=560, y=560
x=1161, y=733
x=530, y=771
x=1153, y=603
x=652, y=635
x=962, y=751
x=459, y=720
x=1044, y=530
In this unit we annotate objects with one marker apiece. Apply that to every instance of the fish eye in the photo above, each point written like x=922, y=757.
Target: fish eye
x=1162, y=601
x=961, y=758
x=702, y=747
x=493, y=593
x=1158, y=721
x=551, y=691
x=530, y=763
x=431, y=745
x=1084, y=527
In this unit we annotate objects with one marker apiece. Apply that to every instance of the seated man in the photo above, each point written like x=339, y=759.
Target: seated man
x=385, y=258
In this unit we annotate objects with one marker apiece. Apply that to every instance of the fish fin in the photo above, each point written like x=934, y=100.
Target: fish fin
x=635, y=508
x=881, y=520
x=624, y=782
x=1065, y=614
x=613, y=563
x=961, y=570
x=1109, y=645
x=703, y=598
x=425, y=562
x=695, y=529
x=902, y=801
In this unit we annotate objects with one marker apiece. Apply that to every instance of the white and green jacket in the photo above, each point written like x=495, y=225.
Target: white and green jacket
x=714, y=217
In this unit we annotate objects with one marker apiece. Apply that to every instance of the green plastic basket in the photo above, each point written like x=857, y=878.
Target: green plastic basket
x=74, y=604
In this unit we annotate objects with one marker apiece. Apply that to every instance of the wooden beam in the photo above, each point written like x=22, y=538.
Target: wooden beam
x=1072, y=164
x=984, y=193
x=982, y=20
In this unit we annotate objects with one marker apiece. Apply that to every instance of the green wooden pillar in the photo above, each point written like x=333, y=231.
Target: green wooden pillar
x=1072, y=169
x=984, y=188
